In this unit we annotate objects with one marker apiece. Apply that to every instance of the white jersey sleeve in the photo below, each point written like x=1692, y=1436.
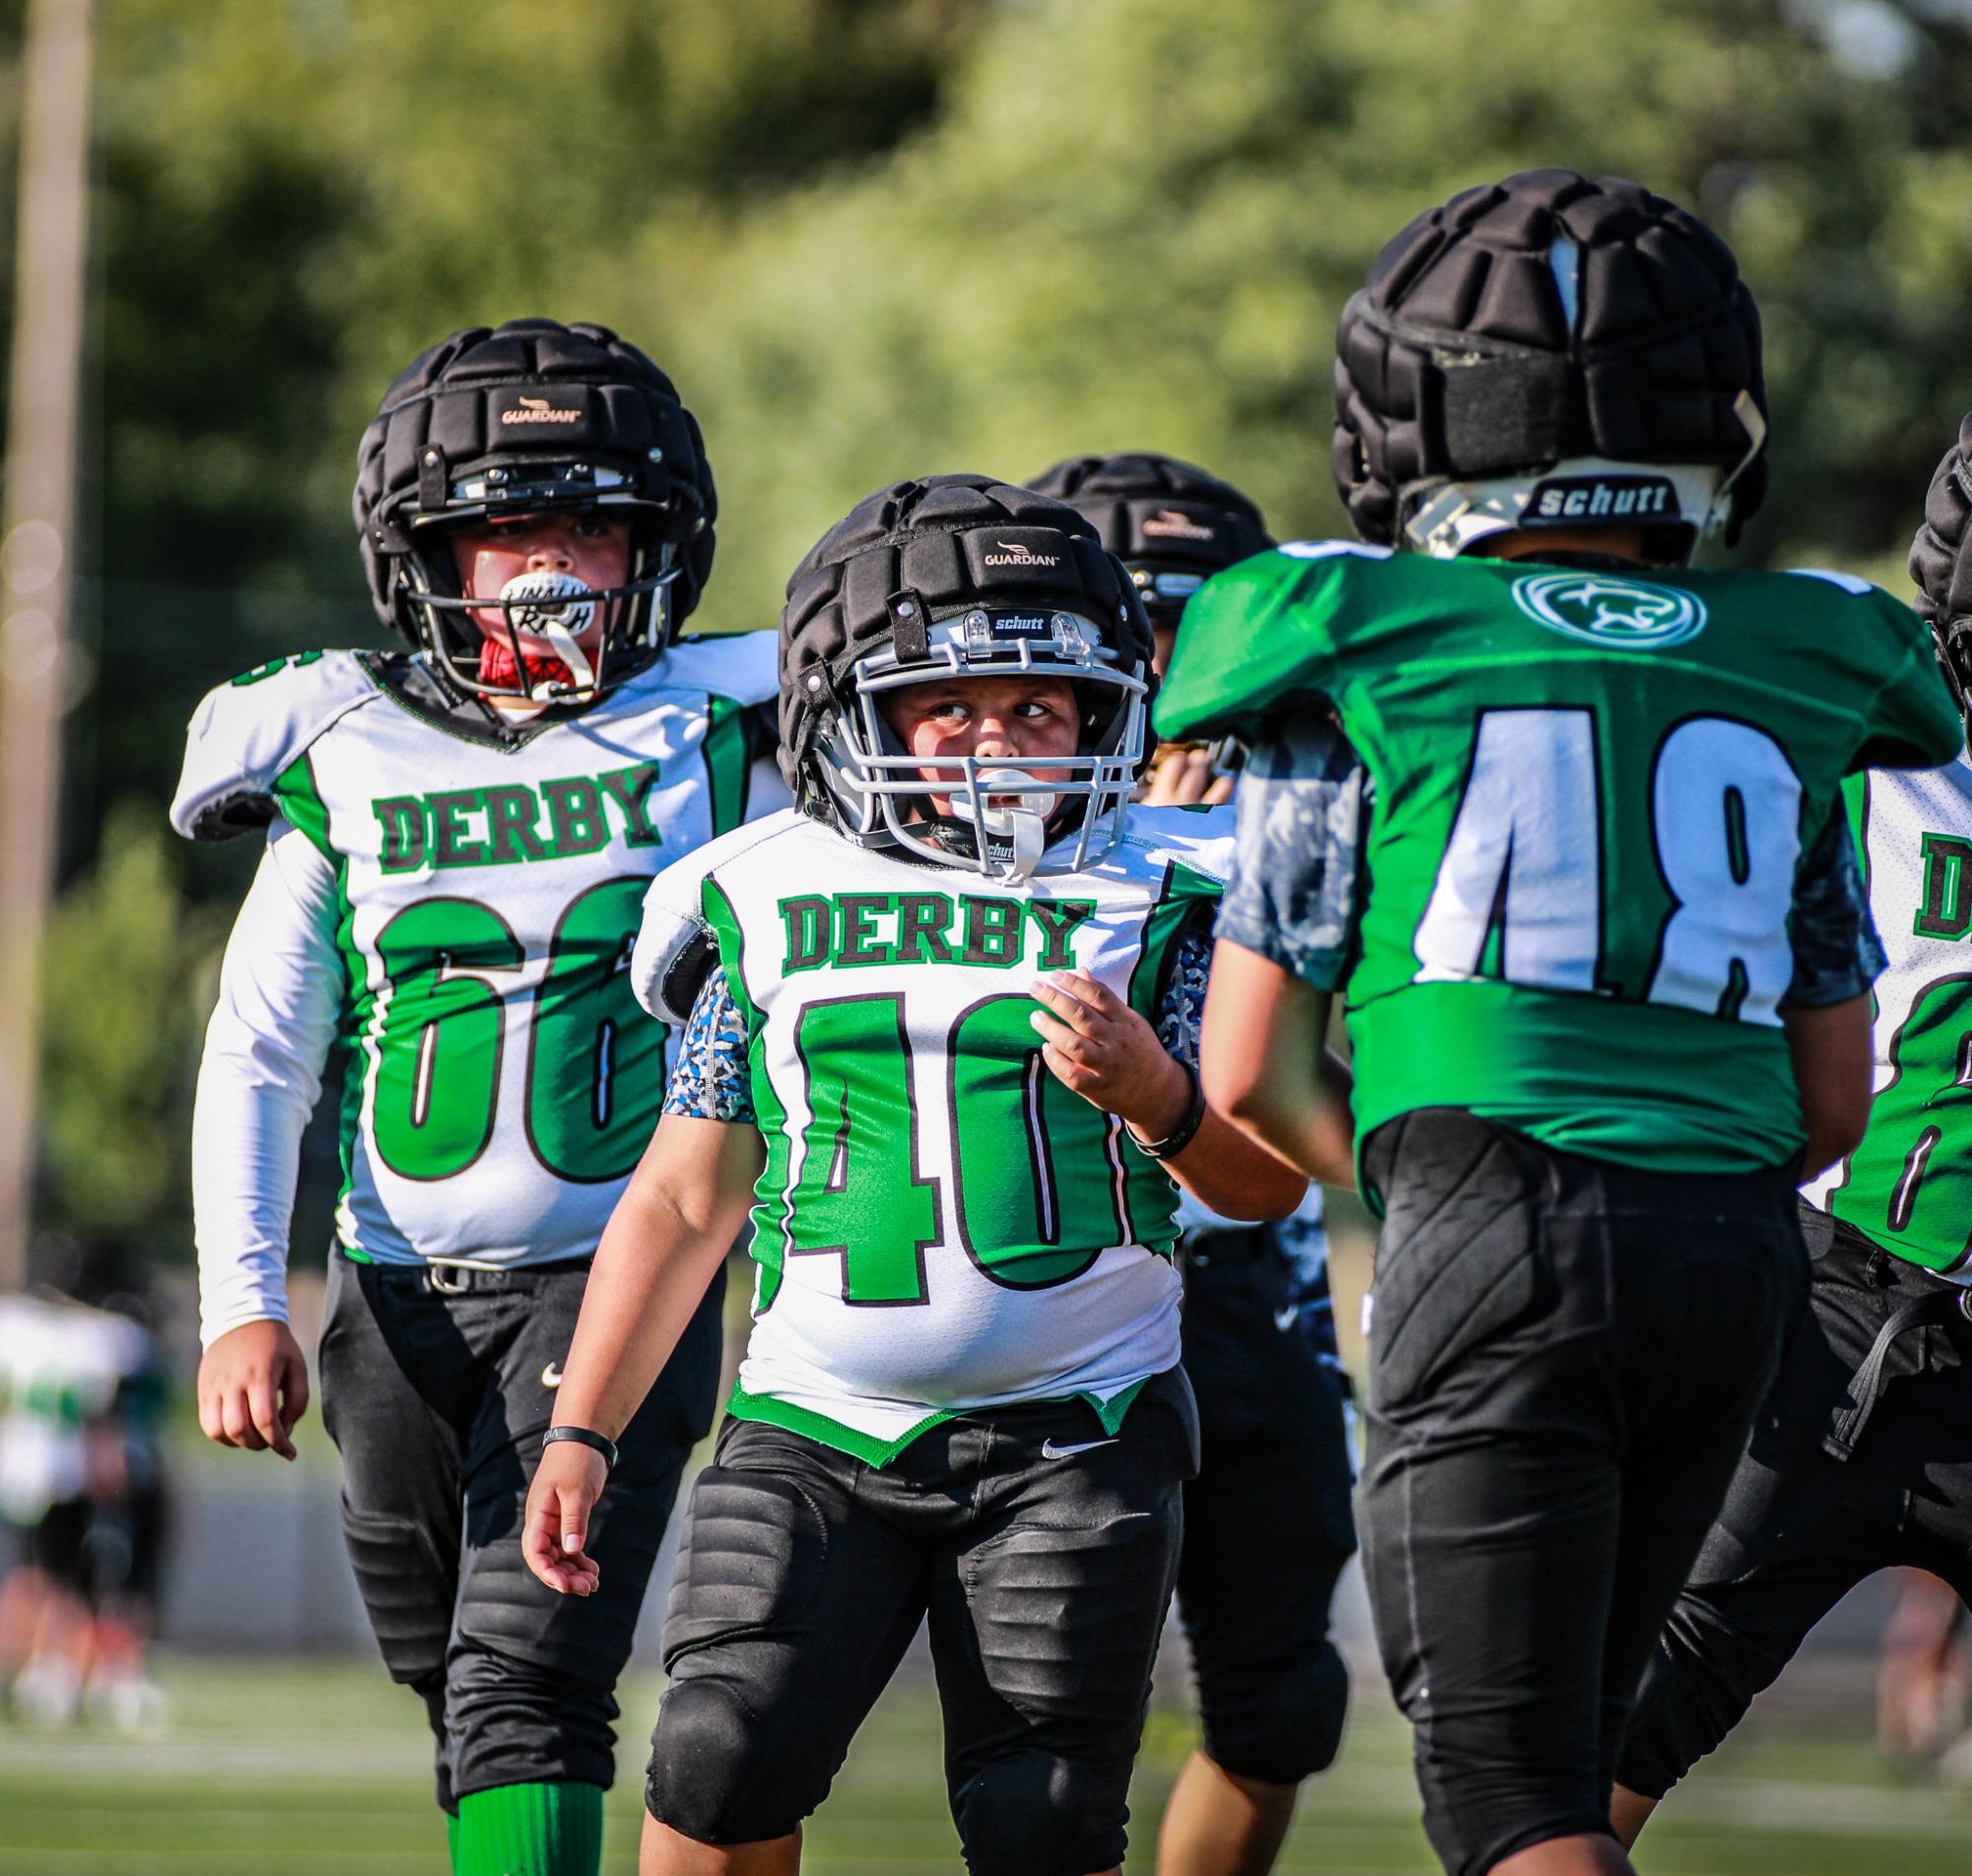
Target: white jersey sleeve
x=675, y=949
x=245, y=733
x=745, y=668
x=279, y=993
x=1199, y=839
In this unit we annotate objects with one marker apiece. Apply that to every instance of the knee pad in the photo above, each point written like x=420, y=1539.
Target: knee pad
x=719, y=1776
x=1279, y=1724
x=1038, y=1814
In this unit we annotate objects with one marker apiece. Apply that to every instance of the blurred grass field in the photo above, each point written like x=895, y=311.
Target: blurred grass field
x=321, y=1767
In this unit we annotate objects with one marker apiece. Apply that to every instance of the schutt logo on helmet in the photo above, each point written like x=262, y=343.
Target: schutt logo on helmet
x=1640, y=498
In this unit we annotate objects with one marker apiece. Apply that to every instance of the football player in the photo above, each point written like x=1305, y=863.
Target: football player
x=1859, y=1457
x=82, y=1481
x=943, y=1047
x=458, y=839
x=1561, y=820
x=1259, y=1328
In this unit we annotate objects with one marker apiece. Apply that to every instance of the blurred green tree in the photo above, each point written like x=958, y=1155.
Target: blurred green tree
x=129, y=974
x=1136, y=223
x=879, y=238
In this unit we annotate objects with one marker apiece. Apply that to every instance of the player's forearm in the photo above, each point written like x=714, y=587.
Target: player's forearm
x=1307, y=1119
x=1265, y=1066
x=1233, y=1174
x=659, y=1251
x=279, y=995
x=245, y=1147
x=649, y=1272
x=1831, y=1052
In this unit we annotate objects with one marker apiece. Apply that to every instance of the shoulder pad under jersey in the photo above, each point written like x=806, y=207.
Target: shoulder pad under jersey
x=1851, y=584
x=245, y=733
x=1331, y=549
x=1266, y=627
x=742, y=666
x=1197, y=840
x=676, y=947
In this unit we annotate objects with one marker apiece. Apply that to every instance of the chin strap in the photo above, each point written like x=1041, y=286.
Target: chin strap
x=1755, y=426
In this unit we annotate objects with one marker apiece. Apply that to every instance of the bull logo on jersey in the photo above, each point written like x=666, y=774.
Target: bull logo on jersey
x=1621, y=615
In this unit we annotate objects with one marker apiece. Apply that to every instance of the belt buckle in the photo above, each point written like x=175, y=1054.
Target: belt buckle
x=457, y=1284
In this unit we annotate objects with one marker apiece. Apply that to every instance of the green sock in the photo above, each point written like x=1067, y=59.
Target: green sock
x=452, y=1837
x=529, y=1830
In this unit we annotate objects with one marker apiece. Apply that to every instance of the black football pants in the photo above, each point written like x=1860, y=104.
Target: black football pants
x=1041, y=1546
x=1267, y=1527
x=1801, y=1523
x=438, y=1401
x=1566, y=1356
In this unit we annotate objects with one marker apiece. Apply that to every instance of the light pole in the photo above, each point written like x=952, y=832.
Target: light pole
x=38, y=560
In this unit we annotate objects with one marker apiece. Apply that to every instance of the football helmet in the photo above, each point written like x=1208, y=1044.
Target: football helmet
x=527, y=418
x=1941, y=562
x=1168, y=522
x=963, y=575
x=1550, y=352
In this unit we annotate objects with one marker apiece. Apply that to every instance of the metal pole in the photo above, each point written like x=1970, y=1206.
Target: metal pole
x=38, y=560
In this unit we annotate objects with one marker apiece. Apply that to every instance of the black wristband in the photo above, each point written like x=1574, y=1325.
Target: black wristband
x=1182, y=1135
x=584, y=1437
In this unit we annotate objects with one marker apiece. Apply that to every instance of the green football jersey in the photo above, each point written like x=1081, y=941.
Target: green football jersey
x=1592, y=793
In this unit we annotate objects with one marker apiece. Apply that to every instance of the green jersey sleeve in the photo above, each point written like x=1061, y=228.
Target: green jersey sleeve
x=1259, y=631
x=1913, y=722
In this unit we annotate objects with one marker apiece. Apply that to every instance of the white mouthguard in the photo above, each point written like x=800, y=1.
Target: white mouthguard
x=1025, y=823
x=561, y=607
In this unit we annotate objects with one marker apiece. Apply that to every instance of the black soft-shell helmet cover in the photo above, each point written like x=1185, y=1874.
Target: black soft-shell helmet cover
x=1941, y=563
x=1538, y=319
x=1167, y=520
x=521, y=417
x=886, y=586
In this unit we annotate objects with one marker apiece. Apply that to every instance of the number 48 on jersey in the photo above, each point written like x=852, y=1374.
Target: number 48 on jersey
x=1522, y=889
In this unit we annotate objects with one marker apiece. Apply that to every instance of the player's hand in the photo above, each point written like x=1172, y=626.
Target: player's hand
x=556, y=1525
x=252, y=1387
x=1184, y=778
x=1095, y=1044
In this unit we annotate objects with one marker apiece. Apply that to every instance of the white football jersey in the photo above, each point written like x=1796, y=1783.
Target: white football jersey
x=1909, y=1184
x=456, y=910
x=940, y=1225
x=61, y=1365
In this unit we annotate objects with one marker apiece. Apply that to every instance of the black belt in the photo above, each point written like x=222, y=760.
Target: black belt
x=465, y=1280
x=1933, y=1310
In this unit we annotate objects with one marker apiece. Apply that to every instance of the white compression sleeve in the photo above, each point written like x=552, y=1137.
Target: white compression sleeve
x=280, y=991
